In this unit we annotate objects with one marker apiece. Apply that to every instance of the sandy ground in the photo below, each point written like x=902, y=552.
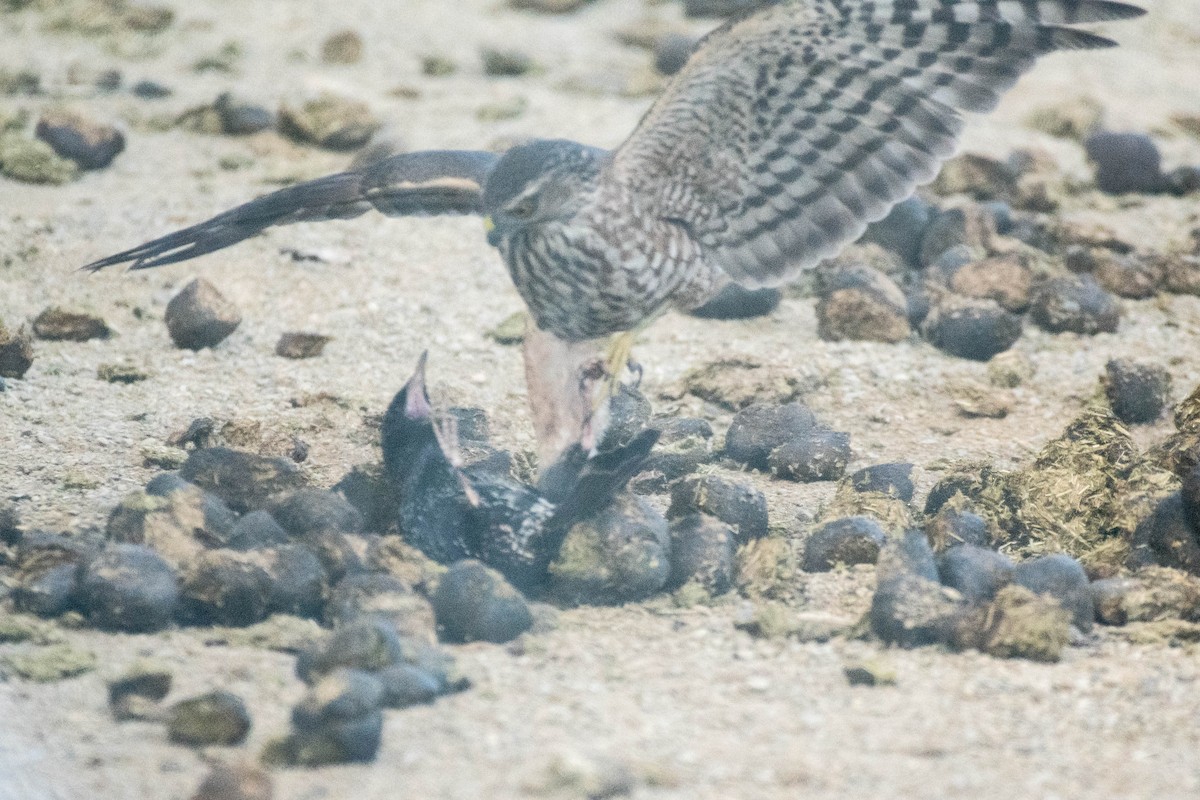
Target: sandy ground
x=694, y=708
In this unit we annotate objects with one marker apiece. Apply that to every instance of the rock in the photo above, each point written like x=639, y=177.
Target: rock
x=1152, y=594
x=46, y=571
x=974, y=399
x=10, y=523
x=1125, y=162
x=121, y=373
x=128, y=587
x=150, y=90
x=238, y=117
x=329, y=121
x=1010, y=369
x=245, y=481
x=339, y=721
x=952, y=526
x=548, y=6
x=59, y=324
x=89, y=144
x=235, y=782
x=405, y=685
x=343, y=47
x=225, y=587
x=382, y=596
x=1061, y=577
x=511, y=329
x=970, y=328
x=907, y=555
x=970, y=225
x=870, y=673
x=894, y=480
x=759, y=429
x=438, y=66
x=339, y=554
x=299, y=583
x=301, y=345
x=137, y=691
x=1070, y=119
x=1123, y=274
x=736, y=383
x=199, y=316
x=177, y=526
x=506, y=63
x=977, y=573
x=701, y=553
x=1137, y=391
x=819, y=455
x=474, y=603
x=574, y=774
x=257, y=530
x=619, y=555
x=737, y=302
x=216, y=718
x=308, y=511
x=366, y=488
x=1007, y=279
x=33, y=161
x=16, y=353
x=901, y=230
x=1074, y=304
x=981, y=177
x=672, y=51
x=1017, y=624
x=684, y=443
x=1190, y=496
x=628, y=413
x=851, y=540
x=367, y=643
x=861, y=304
x=740, y=506
x=911, y=611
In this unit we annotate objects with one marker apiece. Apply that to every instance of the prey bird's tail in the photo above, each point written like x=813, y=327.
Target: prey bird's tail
x=409, y=184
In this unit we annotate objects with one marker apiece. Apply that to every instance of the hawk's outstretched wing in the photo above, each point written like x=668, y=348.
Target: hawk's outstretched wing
x=793, y=127
x=431, y=182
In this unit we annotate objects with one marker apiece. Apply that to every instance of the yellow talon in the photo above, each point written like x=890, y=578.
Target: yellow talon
x=616, y=361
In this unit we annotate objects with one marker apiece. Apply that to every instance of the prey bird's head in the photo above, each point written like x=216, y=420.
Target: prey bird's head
x=408, y=433
x=542, y=181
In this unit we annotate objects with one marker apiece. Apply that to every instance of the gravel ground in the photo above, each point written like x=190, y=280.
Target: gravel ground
x=690, y=706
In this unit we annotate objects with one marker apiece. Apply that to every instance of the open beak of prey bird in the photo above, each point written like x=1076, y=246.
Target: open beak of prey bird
x=789, y=130
x=452, y=511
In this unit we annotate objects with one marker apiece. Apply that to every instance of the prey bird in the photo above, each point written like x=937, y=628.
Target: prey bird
x=789, y=129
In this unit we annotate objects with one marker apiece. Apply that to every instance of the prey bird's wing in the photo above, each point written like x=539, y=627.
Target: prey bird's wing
x=792, y=127
x=431, y=182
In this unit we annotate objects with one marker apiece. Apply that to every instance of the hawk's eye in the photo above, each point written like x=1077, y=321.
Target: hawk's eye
x=523, y=209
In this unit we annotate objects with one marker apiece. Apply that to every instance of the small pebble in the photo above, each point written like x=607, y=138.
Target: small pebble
x=235, y=782
x=299, y=583
x=1125, y=162
x=343, y=47
x=1075, y=304
x=199, y=316
x=976, y=572
x=684, y=443
x=819, y=455
x=870, y=673
x=738, y=505
x=381, y=596
x=860, y=303
x=506, y=63
x=216, y=718
x=367, y=643
x=329, y=121
x=759, y=429
x=240, y=117
x=1007, y=279
x=619, y=555
x=737, y=302
x=849, y=541
x=474, y=603
x=59, y=324
x=969, y=225
x=16, y=353
x=128, y=587
x=1061, y=577
x=1124, y=274
x=405, y=685
x=981, y=177
x=971, y=328
x=138, y=690
x=46, y=570
x=671, y=52
x=340, y=554
x=33, y=161
x=907, y=555
x=245, y=481
x=150, y=90
x=89, y=144
x=1137, y=391
x=701, y=553
x=894, y=480
x=301, y=345
x=121, y=373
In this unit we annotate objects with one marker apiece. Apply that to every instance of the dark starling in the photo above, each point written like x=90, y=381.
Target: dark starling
x=451, y=512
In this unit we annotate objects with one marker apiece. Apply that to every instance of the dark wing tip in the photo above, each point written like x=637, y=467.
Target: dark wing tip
x=1110, y=10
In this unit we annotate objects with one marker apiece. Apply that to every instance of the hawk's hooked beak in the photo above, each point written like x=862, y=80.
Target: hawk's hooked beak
x=493, y=236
